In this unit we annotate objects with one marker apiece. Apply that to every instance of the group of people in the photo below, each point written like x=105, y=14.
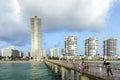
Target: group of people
x=84, y=66
x=81, y=65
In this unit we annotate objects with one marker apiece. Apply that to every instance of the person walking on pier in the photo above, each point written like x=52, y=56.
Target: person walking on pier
x=73, y=63
x=108, y=68
x=83, y=65
x=79, y=65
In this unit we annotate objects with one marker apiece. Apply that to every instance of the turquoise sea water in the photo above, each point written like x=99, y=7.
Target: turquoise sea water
x=25, y=71
x=29, y=71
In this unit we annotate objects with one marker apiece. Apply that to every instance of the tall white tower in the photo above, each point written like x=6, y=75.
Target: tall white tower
x=91, y=46
x=109, y=47
x=35, y=37
x=70, y=43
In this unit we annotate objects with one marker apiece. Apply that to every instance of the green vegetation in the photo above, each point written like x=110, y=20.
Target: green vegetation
x=55, y=58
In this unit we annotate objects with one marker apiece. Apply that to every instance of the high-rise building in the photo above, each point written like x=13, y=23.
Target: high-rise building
x=8, y=52
x=28, y=54
x=20, y=54
x=35, y=37
x=109, y=47
x=43, y=53
x=91, y=46
x=70, y=46
x=54, y=52
x=63, y=52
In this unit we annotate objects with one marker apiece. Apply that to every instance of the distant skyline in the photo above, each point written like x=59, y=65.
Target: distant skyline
x=60, y=18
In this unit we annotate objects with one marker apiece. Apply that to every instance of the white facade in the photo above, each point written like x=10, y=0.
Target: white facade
x=70, y=47
x=20, y=54
x=9, y=52
x=63, y=52
x=54, y=52
x=109, y=47
x=43, y=53
x=91, y=46
x=35, y=37
x=6, y=52
x=28, y=54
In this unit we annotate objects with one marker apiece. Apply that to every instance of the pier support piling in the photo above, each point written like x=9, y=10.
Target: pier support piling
x=63, y=73
x=75, y=75
x=69, y=74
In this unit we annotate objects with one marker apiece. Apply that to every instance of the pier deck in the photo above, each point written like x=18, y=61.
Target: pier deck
x=97, y=71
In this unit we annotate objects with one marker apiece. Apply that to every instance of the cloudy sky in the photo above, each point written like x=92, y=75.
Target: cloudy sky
x=60, y=18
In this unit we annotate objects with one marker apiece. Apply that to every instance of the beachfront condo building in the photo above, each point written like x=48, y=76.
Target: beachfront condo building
x=54, y=52
x=35, y=37
x=109, y=47
x=91, y=46
x=63, y=52
x=21, y=54
x=70, y=46
x=43, y=54
x=28, y=54
x=8, y=52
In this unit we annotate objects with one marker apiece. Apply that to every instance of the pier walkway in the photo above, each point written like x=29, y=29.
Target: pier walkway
x=93, y=71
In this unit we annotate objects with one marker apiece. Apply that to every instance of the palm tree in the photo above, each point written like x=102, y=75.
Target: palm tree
x=4, y=58
x=1, y=57
x=27, y=58
x=12, y=57
x=9, y=57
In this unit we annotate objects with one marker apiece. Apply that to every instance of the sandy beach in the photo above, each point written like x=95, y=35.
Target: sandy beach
x=21, y=62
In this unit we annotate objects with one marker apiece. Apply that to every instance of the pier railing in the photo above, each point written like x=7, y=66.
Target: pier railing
x=90, y=69
x=102, y=69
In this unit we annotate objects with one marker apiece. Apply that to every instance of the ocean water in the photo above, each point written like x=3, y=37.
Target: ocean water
x=31, y=71
x=25, y=71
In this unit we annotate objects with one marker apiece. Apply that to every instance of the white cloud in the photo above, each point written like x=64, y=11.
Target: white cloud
x=56, y=15
x=11, y=22
x=13, y=28
x=68, y=14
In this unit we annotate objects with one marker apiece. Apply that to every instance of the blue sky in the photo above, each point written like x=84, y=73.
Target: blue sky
x=60, y=18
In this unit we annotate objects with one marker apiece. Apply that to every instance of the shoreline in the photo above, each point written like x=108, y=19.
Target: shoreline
x=102, y=61
x=31, y=61
x=21, y=61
